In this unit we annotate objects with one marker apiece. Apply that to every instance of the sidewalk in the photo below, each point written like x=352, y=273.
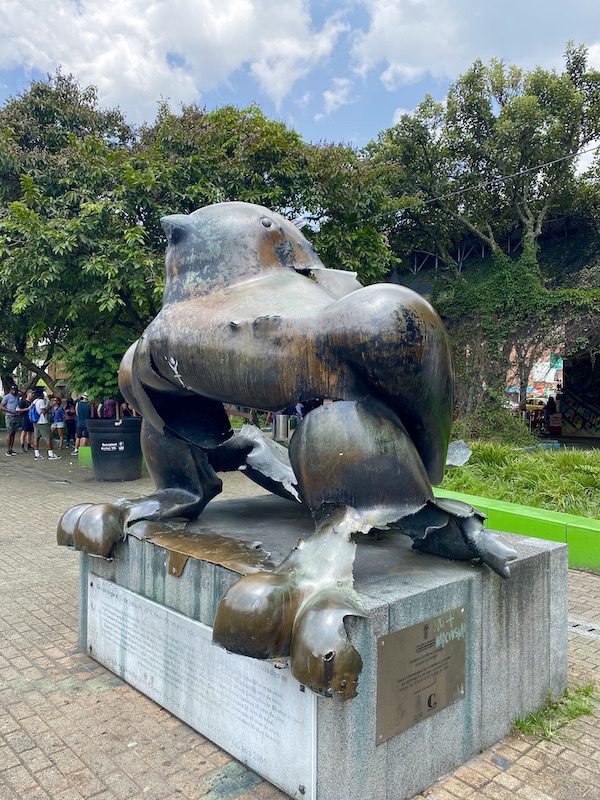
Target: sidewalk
x=69, y=729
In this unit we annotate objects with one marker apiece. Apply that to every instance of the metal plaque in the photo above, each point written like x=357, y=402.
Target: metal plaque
x=257, y=713
x=420, y=671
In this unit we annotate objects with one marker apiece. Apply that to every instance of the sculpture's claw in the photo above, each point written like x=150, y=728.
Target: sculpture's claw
x=488, y=546
x=92, y=529
x=322, y=656
x=453, y=529
x=256, y=615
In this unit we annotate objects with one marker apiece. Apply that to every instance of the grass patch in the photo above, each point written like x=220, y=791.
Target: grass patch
x=547, y=723
x=564, y=480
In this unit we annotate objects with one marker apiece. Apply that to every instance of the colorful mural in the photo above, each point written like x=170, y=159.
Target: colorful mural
x=580, y=402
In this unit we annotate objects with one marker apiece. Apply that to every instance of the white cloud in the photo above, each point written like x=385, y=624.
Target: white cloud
x=136, y=51
x=594, y=55
x=340, y=94
x=399, y=113
x=586, y=159
x=409, y=39
x=304, y=99
x=407, y=36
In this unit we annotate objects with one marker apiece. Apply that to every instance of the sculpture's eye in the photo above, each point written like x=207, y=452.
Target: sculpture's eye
x=267, y=222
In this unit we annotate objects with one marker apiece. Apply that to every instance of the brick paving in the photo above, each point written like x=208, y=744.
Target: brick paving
x=69, y=729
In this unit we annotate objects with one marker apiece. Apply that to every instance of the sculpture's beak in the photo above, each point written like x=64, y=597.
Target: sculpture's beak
x=175, y=226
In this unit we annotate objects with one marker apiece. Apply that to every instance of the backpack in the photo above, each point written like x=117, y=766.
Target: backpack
x=34, y=414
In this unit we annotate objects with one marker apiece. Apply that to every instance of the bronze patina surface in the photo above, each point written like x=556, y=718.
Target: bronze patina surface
x=230, y=553
x=252, y=317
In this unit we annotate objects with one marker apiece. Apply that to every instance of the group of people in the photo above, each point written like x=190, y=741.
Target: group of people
x=39, y=417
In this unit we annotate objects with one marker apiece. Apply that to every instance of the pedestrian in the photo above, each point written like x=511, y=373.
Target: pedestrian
x=58, y=421
x=26, y=423
x=83, y=412
x=549, y=410
x=10, y=407
x=108, y=409
x=38, y=414
x=70, y=421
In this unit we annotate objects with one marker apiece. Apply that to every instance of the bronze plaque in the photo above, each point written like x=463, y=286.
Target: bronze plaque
x=420, y=671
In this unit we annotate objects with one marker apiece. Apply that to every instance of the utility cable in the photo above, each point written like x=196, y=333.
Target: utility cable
x=503, y=178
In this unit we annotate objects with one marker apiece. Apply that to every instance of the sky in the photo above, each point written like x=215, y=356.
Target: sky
x=336, y=70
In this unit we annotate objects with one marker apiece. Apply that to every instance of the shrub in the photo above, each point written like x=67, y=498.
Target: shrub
x=565, y=480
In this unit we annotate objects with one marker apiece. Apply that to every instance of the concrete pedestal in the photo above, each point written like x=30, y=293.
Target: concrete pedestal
x=516, y=640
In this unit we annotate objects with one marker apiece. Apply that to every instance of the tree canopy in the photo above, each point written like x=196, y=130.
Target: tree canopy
x=471, y=191
x=494, y=169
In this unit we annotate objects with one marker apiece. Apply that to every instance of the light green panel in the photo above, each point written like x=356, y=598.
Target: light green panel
x=502, y=519
x=583, y=536
x=584, y=548
x=84, y=457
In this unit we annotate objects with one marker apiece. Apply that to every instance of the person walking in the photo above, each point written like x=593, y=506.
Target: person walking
x=39, y=413
x=10, y=407
x=25, y=422
x=83, y=412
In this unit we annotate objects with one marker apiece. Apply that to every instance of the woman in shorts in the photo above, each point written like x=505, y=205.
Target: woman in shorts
x=58, y=421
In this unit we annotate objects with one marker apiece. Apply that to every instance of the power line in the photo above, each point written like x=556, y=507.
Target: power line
x=502, y=178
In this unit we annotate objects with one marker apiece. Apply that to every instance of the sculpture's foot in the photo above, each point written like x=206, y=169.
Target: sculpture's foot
x=298, y=610
x=93, y=529
x=488, y=546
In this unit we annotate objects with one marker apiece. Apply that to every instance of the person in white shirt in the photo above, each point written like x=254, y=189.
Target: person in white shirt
x=41, y=427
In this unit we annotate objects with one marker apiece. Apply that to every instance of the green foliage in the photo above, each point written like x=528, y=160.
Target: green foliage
x=491, y=422
x=81, y=196
x=350, y=207
x=93, y=363
x=500, y=311
x=549, y=722
x=73, y=253
x=461, y=159
x=562, y=480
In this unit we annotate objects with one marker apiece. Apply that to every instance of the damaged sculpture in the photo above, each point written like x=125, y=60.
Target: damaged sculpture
x=252, y=317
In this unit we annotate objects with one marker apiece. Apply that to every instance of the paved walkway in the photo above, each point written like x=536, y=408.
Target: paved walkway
x=69, y=729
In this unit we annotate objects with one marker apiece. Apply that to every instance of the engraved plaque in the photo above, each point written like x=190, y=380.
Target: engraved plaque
x=256, y=712
x=420, y=671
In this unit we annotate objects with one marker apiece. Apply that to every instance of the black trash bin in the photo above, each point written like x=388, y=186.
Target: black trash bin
x=116, y=450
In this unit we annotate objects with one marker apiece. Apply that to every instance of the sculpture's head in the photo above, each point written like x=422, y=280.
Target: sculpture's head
x=229, y=243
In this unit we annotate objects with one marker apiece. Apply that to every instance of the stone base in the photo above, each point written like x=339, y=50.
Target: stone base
x=516, y=652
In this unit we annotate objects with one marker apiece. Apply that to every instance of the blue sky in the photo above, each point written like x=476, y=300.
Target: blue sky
x=337, y=70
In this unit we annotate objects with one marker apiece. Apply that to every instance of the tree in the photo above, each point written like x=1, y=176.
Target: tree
x=493, y=165
x=72, y=255
x=350, y=209
x=81, y=247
